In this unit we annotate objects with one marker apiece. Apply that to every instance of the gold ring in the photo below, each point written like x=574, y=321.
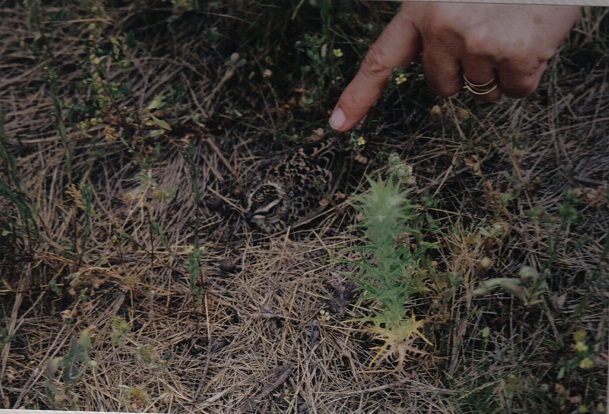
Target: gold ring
x=480, y=89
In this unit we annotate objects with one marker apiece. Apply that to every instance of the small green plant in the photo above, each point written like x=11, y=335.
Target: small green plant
x=389, y=267
x=194, y=268
x=398, y=76
x=583, y=356
x=135, y=397
x=569, y=209
x=528, y=287
x=51, y=77
x=120, y=330
x=12, y=191
x=323, y=71
x=579, y=359
x=81, y=200
x=72, y=366
x=145, y=354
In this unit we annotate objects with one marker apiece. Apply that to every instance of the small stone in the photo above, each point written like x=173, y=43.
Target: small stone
x=485, y=262
x=215, y=203
x=229, y=266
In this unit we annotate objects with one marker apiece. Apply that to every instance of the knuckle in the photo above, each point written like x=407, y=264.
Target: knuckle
x=521, y=86
x=374, y=65
x=351, y=99
x=524, y=88
x=477, y=43
x=547, y=54
x=525, y=62
x=447, y=90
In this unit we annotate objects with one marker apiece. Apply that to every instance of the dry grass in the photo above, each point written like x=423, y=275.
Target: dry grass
x=132, y=223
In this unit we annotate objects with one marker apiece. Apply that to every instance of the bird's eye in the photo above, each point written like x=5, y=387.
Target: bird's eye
x=271, y=211
x=266, y=212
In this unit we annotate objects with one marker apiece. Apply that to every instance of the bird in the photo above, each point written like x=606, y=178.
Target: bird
x=296, y=186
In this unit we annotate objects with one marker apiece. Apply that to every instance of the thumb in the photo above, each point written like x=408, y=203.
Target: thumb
x=397, y=45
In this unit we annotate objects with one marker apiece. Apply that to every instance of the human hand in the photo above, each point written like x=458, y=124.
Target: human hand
x=503, y=48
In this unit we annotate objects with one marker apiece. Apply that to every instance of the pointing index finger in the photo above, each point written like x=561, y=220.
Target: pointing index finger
x=397, y=45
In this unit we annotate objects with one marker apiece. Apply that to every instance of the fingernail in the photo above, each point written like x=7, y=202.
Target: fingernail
x=337, y=120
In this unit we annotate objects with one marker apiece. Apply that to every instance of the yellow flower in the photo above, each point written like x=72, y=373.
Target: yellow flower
x=463, y=114
x=560, y=389
x=337, y=53
x=579, y=336
x=401, y=78
x=581, y=347
x=361, y=142
x=585, y=363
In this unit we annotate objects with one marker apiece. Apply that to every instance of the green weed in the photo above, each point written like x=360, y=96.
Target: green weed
x=389, y=266
x=133, y=397
x=145, y=354
x=528, y=287
x=62, y=373
x=120, y=330
x=11, y=191
x=194, y=268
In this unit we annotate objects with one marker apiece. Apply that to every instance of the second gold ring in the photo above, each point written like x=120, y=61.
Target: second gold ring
x=481, y=89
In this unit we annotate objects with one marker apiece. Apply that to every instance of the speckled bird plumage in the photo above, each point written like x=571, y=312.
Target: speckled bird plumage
x=295, y=185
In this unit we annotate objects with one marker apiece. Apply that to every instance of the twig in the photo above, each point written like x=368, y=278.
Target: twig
x=284, y=373
x=214, y=147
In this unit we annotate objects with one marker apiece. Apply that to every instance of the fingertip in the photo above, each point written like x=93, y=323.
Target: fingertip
x=354, y=103
x=338, y=119
x=342, y=120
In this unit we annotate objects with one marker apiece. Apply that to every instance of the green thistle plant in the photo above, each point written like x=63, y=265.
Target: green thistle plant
x=62, y=373
x=388, y=269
